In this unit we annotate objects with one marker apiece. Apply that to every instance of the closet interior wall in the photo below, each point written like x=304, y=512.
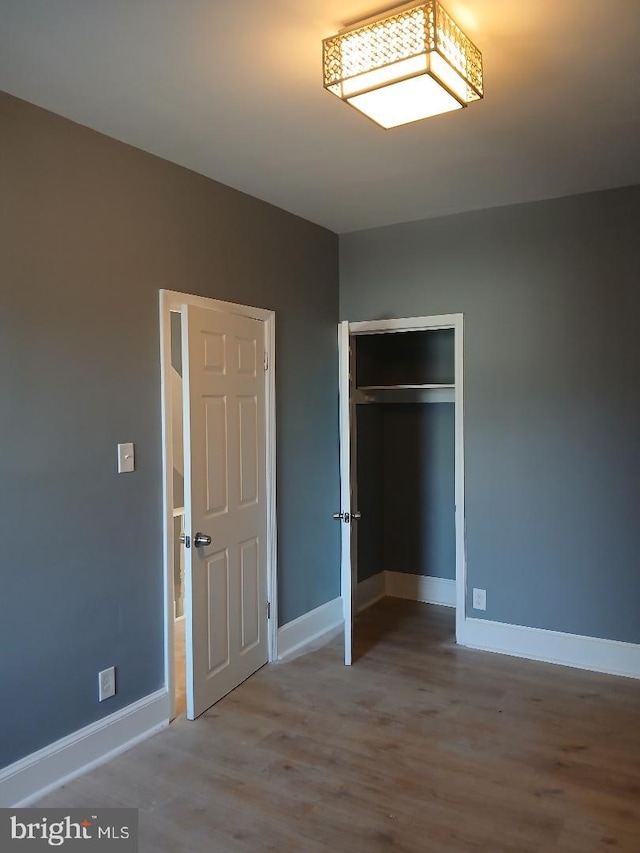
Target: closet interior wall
x=405, y=453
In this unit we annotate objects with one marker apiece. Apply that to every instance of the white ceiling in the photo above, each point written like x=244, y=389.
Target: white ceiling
x=233, y=89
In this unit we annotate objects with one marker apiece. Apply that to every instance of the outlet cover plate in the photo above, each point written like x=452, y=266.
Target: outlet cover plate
x=126, y=458
x=106, y=683
x=479, y=599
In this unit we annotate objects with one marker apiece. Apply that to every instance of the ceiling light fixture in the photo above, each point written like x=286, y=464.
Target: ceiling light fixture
x=404, y=67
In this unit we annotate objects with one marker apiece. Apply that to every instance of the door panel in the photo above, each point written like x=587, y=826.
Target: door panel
x=216, y=479
x=345, y=488
x=218, y=611
x=247, y=356
x=249, y=575
x=215, y=352
x=249, y=443
x=225, y=498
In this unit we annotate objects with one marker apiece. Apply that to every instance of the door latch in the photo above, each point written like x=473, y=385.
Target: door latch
x=186, y=540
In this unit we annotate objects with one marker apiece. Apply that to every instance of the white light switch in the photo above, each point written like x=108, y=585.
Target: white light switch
x=126, y=458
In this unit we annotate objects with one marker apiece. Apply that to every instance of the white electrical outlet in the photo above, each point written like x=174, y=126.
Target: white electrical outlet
x=126, y=458
x=479, y=599
x=106, y=683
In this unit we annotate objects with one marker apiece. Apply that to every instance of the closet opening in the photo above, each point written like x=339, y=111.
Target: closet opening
x=405, y=449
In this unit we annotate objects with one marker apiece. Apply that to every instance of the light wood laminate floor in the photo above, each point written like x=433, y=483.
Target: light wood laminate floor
x=420, y=746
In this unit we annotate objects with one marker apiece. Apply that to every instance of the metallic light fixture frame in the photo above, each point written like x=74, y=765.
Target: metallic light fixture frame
x=419, y=39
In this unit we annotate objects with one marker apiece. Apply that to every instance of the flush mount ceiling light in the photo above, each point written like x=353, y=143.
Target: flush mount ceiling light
x=404, y=67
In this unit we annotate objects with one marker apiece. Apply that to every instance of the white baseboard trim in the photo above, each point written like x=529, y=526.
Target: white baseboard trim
x=370, y=591
x=592, y=653
x=37, y=774
x=311, y=630
x=421, y=588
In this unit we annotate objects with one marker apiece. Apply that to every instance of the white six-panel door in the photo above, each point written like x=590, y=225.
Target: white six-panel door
x=225, y=499
x=347, y=584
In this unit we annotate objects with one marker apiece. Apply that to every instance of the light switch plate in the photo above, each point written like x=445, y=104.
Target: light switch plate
x=126, y=458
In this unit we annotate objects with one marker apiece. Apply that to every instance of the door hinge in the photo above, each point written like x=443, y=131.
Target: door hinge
x=268, y=610
x=266, y=360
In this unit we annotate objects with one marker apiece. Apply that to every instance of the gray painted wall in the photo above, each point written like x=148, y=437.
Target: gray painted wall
x=552, y=398
x=370, y=490
x=91, y=229
x=418, y=510
x=405, y=358
x=406, y=489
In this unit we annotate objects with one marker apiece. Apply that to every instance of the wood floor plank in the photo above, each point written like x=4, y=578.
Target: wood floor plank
x=419, y=746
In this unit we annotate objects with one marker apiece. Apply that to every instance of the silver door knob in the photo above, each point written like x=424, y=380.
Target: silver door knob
x=338, y=516
x=201, y=539
x=356, y=516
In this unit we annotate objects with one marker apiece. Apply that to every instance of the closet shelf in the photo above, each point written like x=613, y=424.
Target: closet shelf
x=403, y=387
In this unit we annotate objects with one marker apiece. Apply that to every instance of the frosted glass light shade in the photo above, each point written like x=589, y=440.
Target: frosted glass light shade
x=405, y=67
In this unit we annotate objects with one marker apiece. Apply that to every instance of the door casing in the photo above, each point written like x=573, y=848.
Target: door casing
x=171, y=300
x=348, y=329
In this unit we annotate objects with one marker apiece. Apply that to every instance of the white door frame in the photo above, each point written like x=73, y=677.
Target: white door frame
x=417, y=324
x=171, y=300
